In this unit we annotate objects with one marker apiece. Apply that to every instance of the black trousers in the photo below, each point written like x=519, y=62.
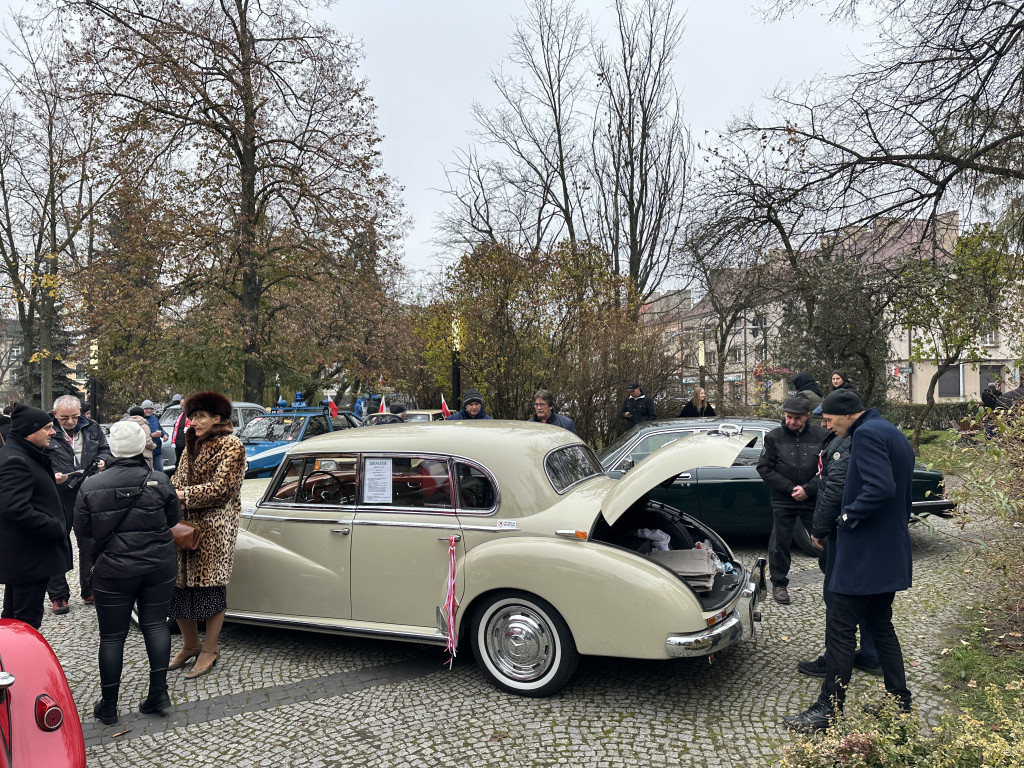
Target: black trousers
x=58, y=588
x=114, y=601
x=873, y=613
x=779, y=543
x=868, y=656
x=24, y=601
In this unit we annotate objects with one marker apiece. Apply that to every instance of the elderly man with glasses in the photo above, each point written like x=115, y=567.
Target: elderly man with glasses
x=77, y=449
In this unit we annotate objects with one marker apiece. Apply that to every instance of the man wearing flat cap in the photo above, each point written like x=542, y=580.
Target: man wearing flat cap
x=33, y=533
x=873, y=555
x=789, y=464
x=472, y=407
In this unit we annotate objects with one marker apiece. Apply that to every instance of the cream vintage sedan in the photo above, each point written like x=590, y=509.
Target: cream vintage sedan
x=499, y=535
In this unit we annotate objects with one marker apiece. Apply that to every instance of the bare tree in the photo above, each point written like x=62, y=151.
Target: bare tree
x=562, y=159
x=641, y=147
x=932, y=121
x=528, y=190
x=52, y=175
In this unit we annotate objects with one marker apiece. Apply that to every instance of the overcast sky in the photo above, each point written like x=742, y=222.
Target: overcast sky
x=428, y=62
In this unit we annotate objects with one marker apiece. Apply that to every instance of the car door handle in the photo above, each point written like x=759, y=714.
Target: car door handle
x=445, y=538
x=684, y=476
x=343, y=531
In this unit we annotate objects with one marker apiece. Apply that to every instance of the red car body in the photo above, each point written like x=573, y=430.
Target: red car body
x=39, y=723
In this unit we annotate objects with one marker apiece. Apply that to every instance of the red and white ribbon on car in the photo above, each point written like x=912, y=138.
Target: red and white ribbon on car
x=451, y=604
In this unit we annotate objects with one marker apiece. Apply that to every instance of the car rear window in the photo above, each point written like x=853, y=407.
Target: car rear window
x=569, y=465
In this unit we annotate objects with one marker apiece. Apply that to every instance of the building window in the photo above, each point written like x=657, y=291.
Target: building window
x=736, y=355
x=949, y=383
x=991, y=339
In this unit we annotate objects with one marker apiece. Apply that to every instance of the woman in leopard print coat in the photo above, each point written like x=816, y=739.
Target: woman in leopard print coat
x=209, y=483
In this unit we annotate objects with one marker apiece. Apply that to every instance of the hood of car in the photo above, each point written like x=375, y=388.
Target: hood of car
x=256, y=447
x=664, y=464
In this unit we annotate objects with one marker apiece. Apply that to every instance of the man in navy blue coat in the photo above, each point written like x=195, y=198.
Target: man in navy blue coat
x=873, y=555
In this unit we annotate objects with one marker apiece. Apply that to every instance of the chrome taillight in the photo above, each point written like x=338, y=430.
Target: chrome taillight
x=49, y=716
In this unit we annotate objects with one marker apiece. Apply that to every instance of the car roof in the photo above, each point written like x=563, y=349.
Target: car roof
x=502, y=446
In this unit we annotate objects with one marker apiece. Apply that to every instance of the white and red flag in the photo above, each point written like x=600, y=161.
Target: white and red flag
x=444, y=407
x=383, y=406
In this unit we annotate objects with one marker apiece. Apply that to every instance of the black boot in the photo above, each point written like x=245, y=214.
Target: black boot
x=156, y=702
x=105, y=711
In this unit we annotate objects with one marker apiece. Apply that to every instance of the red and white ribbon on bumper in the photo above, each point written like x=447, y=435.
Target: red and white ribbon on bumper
x=451, y=604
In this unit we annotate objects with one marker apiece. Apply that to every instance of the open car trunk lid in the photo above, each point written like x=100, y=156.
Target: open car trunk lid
x=708, y=450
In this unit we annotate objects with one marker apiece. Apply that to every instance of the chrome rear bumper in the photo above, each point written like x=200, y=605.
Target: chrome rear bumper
x=739, y=625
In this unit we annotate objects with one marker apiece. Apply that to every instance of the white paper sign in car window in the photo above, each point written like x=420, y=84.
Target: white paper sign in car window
x=377, y=481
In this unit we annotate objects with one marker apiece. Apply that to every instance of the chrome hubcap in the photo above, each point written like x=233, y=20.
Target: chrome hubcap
x=520, y=642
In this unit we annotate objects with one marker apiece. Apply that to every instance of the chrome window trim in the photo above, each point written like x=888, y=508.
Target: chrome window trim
x=290, y=519
x=400, y=524
x=450, y=458
x=598, y=473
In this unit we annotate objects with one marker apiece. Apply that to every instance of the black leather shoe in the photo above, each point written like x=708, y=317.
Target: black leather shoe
x=871, y=669
x=814, y=668
x=781, y=594
x=810, y=720
x=105, y=712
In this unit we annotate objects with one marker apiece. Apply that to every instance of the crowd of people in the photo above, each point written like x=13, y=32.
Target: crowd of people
x=59, y=471
x=846, y=479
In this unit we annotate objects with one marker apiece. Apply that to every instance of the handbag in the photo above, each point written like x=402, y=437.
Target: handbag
x=97, y=552
x=186, y=535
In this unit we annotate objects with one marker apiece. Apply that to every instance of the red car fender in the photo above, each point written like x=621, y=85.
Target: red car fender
x=26, y=655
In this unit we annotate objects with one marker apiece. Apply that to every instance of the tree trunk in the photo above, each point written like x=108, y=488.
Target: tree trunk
x=915, y=439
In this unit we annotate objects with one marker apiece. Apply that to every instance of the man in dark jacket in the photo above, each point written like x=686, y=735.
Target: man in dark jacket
x=873, y=555
x=77, y=450
x=33, y=538
x=544, y=412
x=789, y=464
x=835, y=457
x=472, y=407
x=638, y=408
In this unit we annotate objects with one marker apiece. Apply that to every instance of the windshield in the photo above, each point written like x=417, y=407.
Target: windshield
x=169, y=415
x=273, y=427
x=610, y=450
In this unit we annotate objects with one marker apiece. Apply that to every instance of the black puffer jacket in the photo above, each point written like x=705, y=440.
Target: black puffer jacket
x=143, y=542
x=790, y=459
x=835, y=457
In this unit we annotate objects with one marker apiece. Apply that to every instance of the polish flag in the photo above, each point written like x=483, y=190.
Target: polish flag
x=444, y=408
x=333, y=407
x=383, y=406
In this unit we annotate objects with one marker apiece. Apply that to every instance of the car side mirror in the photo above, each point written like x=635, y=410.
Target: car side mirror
x=626, y=465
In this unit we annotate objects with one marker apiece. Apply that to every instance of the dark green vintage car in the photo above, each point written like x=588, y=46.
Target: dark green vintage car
x=734, y=500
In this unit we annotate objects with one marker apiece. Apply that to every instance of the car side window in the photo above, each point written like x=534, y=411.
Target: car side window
x=407, y=481
x=289, y=483
x=650, y=443
x=329, y=481
x=476, y=491
x=249, y=414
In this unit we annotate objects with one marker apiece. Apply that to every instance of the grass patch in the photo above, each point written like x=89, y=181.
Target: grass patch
x=938, y=449
x=988, y=652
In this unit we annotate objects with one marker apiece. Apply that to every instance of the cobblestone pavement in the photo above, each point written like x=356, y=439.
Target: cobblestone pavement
x=286, y=698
